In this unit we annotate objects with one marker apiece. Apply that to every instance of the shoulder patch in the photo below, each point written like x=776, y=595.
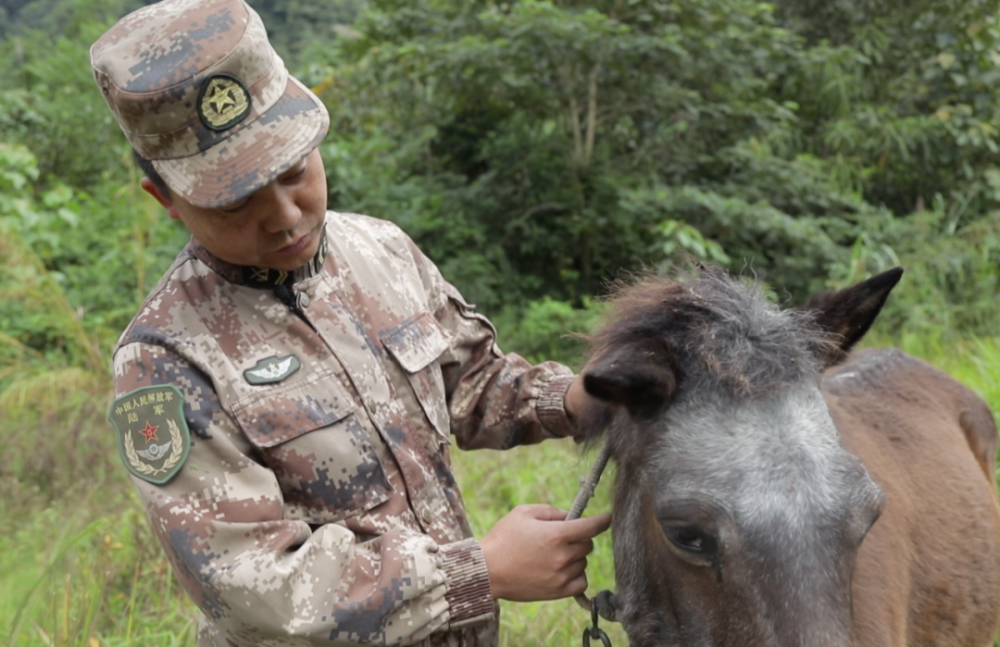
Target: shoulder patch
x=272, y=369
x=153, y=436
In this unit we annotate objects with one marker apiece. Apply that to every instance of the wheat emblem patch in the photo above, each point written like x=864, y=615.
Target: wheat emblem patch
x=153, y=436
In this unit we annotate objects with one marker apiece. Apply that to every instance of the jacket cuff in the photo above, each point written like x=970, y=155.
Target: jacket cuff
x=469, y=597
x=551, y=407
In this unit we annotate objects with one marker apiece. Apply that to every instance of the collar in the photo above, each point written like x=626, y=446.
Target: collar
x=261, y=277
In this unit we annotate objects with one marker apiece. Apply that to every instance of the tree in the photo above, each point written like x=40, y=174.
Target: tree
x=558, y=138
x=906, y=93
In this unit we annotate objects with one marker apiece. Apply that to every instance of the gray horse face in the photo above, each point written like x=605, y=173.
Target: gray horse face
x=737, y=522
x=738, y=514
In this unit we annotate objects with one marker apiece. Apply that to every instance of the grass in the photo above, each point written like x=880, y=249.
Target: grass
x=87, y=571
x=79, y=565
x=495, y=482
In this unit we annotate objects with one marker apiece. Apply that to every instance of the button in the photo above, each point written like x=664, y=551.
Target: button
x=426, y=516
x=302, y=300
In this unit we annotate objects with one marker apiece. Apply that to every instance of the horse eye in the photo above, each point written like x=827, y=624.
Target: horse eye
x=689, y=539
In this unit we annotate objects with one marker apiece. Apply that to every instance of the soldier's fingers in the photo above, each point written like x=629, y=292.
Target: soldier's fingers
x=578, y=550
x=577, y=585
x=587, y=527
x=542, y=512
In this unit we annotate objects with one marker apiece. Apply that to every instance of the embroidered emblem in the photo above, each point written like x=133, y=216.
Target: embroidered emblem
x=149, y=432
x=272, y=369
x=263, y=277
x=137, y=417
x=223, y=102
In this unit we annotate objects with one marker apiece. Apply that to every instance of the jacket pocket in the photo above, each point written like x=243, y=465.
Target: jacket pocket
x=415, y=345
x=321, y=453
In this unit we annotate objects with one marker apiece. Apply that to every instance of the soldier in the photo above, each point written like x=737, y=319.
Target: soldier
x=288, y=393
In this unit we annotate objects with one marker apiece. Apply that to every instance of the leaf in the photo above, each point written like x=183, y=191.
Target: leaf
x=946, y=60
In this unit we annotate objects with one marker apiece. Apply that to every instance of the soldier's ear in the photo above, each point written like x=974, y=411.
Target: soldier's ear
x=161, y=196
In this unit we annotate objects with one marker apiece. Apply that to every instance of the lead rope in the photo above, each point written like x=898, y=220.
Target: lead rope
x=605, y=607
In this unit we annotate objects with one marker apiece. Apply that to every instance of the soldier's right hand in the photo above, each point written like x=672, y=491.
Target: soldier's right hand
x=533, y=554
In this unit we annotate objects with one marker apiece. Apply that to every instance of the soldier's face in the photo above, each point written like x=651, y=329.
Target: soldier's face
x=277, y=227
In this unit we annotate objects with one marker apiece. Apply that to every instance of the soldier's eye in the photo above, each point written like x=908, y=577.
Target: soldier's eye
x=235, y=207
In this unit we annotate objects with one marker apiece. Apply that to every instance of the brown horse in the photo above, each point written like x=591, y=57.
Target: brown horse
x=773, y=491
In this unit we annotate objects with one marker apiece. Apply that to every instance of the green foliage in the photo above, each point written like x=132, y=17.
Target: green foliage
x=54, y=353
x=80, y=247
x=905, y=93
x=294, y=25
x=493, y=483
x=82, y=573
x=677, y=238
x=948, y=291
x=548, y=330
x=550, y=146
x=535, y=148
x=28, y=18
x=49, y=101
x=38, y=321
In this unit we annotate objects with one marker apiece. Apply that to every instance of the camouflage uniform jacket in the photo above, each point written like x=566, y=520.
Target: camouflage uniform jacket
x=317, y=504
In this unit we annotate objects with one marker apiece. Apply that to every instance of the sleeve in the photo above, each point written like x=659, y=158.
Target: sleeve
x=495, y=400
x=258, y=575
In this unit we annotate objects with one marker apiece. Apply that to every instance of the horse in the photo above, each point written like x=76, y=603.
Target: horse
x=775, y=489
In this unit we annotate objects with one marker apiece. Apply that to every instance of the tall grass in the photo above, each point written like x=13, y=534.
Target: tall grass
x=493, y=483
x=80, y=574
x=78, y=562
x=80, y=566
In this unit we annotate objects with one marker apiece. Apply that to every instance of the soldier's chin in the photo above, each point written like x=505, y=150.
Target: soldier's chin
x=294, y=256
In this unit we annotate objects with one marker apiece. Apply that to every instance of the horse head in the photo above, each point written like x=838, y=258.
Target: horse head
x=738, y=513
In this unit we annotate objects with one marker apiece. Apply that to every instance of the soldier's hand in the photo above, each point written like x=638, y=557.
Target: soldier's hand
x=533, y=554
x=576, y=399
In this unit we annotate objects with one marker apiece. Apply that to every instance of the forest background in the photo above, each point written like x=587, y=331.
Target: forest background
x=535, y=150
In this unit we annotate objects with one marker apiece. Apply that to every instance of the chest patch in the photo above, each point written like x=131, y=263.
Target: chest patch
x=272, y=369
x=153, y=436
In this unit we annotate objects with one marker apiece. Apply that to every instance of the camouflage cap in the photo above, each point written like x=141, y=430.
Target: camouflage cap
x=199, y=91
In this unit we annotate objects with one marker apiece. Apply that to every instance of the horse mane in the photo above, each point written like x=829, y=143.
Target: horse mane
x=722, y=333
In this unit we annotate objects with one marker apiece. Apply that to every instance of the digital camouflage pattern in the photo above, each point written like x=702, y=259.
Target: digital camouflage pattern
x=317, y=506
x=198, y=90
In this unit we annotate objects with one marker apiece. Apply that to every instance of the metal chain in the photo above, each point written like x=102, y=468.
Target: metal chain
x=593, y=631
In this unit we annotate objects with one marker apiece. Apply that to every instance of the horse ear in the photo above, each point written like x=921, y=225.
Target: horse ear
x=637, y=376
x=848, y=314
